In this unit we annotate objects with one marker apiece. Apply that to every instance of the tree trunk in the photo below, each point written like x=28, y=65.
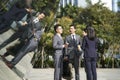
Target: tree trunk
x=42, y=57
x=112, y=62
x=113, y=57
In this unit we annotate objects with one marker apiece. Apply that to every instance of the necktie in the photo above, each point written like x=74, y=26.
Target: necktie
x=74, y=41
x=73, y=37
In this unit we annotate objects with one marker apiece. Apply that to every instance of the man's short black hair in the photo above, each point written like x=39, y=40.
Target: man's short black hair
x=56, y=26
x=72, y=26
x=46, y=13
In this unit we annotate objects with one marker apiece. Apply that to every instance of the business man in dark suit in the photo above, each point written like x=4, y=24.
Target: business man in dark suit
x=20, y=29
x=89, y=46
x=34, y=36
x=16, y=13
x=58, y=45
x=73, y=51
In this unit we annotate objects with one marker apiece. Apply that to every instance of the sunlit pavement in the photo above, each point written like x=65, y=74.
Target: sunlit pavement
x=103, y=74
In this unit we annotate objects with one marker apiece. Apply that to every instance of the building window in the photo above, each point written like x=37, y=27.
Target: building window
x=61, y=2
x=118, y=4
x=76, y=2
x=65, y=2
x=70, y=1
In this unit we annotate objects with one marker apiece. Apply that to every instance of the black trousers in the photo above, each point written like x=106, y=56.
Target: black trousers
x=90, y=68
x=5, y=26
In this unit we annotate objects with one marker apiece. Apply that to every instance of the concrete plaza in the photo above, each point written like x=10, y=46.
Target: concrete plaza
x=103, y=74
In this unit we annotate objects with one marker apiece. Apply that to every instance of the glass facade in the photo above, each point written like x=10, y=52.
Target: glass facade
x=115, y=6
x=65, y=2
x=118, y=5
x=76, y=2
x=72, y=2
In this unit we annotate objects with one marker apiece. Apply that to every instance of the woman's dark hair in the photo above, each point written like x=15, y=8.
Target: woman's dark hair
x=85, y=30
x=56, y=26
x=91, y=33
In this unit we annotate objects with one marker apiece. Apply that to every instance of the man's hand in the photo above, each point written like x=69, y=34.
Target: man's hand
x=24, y=23
x=65, y=45
x=66, y=58
x=79, y=48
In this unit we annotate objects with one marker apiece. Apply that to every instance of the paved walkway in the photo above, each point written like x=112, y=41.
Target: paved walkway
x=47, y=74
x=103, y=74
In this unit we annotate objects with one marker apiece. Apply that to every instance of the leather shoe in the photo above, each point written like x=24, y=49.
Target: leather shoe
x=9, y=65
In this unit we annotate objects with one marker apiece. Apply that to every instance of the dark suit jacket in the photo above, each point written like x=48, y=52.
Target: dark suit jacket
x=72, y=49
x=89, y=47
x=14, y=14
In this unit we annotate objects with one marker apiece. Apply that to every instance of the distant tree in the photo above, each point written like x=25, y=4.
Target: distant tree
x=41, y=5
x=68, y=9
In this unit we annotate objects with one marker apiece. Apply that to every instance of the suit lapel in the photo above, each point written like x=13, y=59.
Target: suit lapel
x=70, y=38
x=59, y=37
x=76, y=38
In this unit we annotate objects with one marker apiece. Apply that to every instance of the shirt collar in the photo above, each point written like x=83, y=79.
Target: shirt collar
x=73, y=34
x=59, y=34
